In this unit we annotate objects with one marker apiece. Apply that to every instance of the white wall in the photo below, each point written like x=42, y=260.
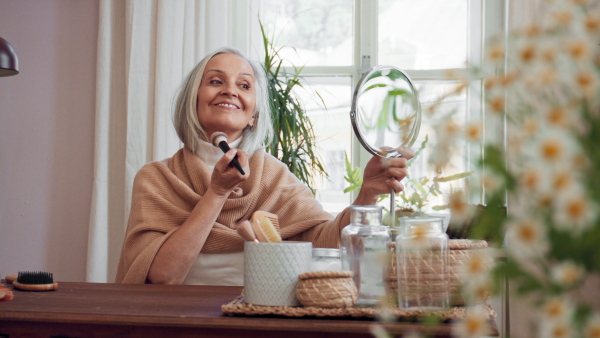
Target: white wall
x=47, y=136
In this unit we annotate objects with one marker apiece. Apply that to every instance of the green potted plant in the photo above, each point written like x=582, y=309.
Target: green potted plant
x=413, y=200
x=294, y=139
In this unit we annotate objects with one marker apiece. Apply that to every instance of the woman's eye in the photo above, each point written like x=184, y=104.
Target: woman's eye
x=245, y=86
x=215, y=81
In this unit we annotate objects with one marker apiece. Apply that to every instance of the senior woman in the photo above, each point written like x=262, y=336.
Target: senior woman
x=185, y=209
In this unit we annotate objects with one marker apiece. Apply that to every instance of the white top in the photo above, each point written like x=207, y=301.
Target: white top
x=221, y=268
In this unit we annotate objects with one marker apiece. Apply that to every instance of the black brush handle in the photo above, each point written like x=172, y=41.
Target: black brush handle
x=225, y=147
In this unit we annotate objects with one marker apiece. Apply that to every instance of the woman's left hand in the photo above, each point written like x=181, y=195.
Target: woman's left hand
x=383, y=174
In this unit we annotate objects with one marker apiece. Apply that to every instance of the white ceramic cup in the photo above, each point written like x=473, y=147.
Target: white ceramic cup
x=271, y=271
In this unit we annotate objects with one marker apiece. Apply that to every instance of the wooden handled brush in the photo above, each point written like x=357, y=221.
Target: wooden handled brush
x=35, y=281
x=264, y=229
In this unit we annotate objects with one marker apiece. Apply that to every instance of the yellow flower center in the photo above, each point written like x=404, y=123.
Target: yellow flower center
x=473, y=326
x=551, y=150
x=497, y=104
x=527, y=234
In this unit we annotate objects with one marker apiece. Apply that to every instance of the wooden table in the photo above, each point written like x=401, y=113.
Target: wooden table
x=104, y=310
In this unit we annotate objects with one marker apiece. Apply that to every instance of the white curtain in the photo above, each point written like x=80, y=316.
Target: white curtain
x=145, y=48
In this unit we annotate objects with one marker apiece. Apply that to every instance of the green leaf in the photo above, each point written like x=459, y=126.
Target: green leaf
x=453, y=177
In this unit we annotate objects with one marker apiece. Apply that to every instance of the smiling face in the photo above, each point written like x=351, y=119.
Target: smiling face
x=226, y=96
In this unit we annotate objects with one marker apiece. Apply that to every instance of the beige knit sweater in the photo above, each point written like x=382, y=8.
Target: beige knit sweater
x=164, y=195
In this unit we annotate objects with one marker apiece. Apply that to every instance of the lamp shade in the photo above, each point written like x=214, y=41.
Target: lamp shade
x=9, y=63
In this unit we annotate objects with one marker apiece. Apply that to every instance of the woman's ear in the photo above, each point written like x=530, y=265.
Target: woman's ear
x=251, y=122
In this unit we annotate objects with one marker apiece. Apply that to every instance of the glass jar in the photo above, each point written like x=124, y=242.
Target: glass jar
x=325, y=259
x=422, y=264
x=365, y=252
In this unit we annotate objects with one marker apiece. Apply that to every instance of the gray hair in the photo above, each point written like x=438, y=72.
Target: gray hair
x=185, y=116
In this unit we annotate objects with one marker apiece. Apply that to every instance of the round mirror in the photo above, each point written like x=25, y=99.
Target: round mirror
x=386, y=112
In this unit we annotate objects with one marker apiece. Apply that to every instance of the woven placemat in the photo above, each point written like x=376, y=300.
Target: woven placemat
x=239, y=307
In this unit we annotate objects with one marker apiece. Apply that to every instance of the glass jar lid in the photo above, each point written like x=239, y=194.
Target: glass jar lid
x=365, y=214
x=326, y=252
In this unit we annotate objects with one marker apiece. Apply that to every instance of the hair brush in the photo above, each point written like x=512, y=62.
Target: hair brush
x=35, y=281
x=263, y=227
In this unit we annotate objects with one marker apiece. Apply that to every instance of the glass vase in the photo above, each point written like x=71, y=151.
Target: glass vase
x=422, y=264
x=365, y=252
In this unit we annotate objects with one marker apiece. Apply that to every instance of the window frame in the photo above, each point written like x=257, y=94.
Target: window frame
x=486, y=19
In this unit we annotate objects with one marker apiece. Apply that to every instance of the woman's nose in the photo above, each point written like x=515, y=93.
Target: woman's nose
x=230, y=90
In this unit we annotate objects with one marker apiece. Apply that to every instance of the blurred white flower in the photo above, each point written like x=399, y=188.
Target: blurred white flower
x=566, y=273
x=592, y=327
x=586, y=82
x=496, y=53
x=552, y=149
x=556, y=309
x=460, y=209
x=556, y=329
x=473, y=131
x=526, y=237
x=530, y=179
x=478, y=289
x=574, y=212
x=477, y=265
x=558, y=117
x=562, y=180
x=474, y=325
x=497, y=103
x=531, y=126
x=578, y=49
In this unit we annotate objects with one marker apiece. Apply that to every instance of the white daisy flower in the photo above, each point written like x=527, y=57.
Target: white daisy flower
x=567, y=273
x=562, y=180
x=531, y=126
x=473, y=132
x=526, y=237
x=586, y=82
x=496, y=53
x=474, y=325
x=556, y=329
x=530, y=179
x=574, y=212
x=592, y=327
x=556, y=309
x=552, y=149
x=478, y=289
x=477, y=265
x=460, y=209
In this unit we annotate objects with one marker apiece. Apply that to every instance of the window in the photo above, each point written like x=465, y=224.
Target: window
x=337, y=40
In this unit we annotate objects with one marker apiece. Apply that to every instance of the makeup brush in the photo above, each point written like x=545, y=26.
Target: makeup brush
x=219, y=139
x=244, y=229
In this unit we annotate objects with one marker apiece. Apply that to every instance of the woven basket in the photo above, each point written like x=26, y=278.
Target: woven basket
x=326, y=289
x=458, y=254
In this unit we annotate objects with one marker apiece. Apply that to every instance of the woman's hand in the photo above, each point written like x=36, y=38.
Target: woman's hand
x=383, y=174
x=226, y=177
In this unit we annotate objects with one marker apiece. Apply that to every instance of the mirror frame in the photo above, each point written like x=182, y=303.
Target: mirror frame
x=353, y=117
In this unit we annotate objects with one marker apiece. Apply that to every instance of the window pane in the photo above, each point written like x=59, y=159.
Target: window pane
x=332, y=130
x=423, y=34
x=313, y=32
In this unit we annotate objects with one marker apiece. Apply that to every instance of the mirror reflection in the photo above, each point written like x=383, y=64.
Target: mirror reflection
x=386, y=111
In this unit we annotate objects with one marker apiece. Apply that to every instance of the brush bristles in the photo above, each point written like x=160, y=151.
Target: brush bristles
x=35, y=277
x=269, y=230
x=217, y=137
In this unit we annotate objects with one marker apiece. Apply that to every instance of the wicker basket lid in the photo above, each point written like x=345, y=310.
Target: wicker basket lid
x=325, y=274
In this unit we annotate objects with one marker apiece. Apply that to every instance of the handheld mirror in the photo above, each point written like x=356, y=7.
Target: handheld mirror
x=386, y=114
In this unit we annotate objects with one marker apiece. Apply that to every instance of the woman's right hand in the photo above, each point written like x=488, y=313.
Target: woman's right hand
x=225, y=177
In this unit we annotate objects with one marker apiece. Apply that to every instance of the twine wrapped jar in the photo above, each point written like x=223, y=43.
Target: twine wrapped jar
x=327, y=289
x=459, y=253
